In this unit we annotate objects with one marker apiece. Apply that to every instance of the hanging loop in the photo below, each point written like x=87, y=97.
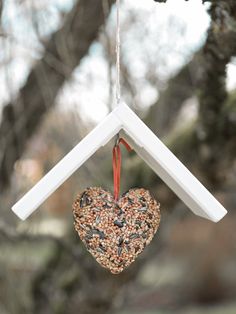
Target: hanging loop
x=116, y=162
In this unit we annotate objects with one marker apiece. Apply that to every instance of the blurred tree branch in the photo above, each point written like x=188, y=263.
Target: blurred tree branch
x=8, y=235
x=1, y=10
x=62, y=54
x=215, y=125
x=217, y=52
x=179, y=88
x=1, y=7
x=204, y=75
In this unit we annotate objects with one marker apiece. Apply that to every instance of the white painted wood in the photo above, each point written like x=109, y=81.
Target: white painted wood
x=67, y=166
x=169, y=168
x=147, y=145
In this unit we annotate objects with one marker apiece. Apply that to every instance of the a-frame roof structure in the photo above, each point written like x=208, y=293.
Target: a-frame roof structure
x=147, y=145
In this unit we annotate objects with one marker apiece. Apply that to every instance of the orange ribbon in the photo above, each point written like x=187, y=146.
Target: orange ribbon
x=116, y=162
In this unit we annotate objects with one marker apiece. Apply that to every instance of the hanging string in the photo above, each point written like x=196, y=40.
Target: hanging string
x=116, y=158
x=117, y=51
x=116, y=161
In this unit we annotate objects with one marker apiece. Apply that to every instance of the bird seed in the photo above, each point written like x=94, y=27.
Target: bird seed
x=115, y=233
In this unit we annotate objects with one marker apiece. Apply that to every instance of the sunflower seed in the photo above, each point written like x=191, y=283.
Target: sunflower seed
x=120, y=241
x=107, y=206
x=98, y=220
x=97, y=209
x=99, y=250
x=134, y=236
x=142, y=209
x=118, y=223
x=119, y=251
x=89, y=234
x=99, y=233
x=120, y=212
x=127, y=248
x=102, y=247
x=84, y=201
x=130, y=201
x=82, y=226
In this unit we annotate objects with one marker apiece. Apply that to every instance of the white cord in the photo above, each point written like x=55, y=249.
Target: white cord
x=117, y=51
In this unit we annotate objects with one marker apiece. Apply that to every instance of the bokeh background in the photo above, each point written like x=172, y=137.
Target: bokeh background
x=57, y=76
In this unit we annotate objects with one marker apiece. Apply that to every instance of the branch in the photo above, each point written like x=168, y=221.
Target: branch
x=206, y=71
x=215, y=128
x=179, y=88
x=217, y=52
x=10, y=236
x=63, y=53
x=1, y=7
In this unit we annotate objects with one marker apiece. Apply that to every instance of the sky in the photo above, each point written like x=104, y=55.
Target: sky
x=178, y=26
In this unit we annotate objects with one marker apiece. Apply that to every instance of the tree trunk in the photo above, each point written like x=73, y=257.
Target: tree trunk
x=62, y=54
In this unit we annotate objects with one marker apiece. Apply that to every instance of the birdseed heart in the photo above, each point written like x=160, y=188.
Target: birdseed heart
x=115, y=233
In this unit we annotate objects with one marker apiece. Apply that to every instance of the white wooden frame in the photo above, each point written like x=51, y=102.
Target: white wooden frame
x=147, y=145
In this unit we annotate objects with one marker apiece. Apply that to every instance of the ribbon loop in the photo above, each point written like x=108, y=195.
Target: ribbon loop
x=116, y=162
